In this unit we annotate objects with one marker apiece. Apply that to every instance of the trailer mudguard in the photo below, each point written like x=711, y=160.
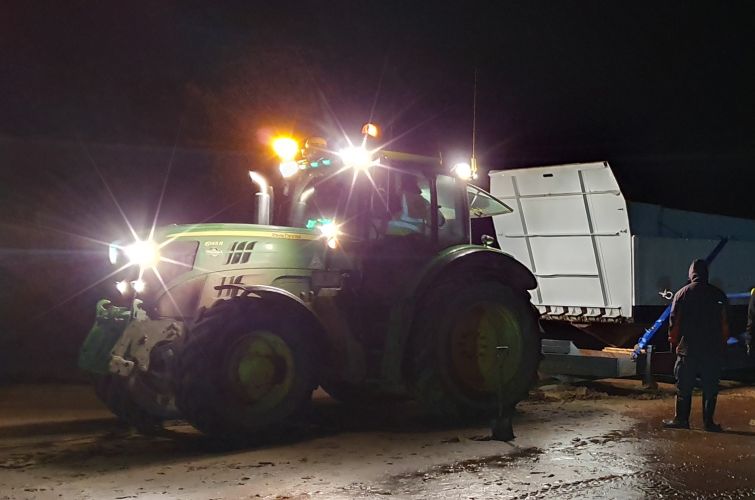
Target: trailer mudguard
x=496, y=264
x=109, y=324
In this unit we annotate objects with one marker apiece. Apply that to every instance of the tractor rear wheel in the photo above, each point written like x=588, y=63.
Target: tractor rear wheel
x=244, y=369
x=476, y=349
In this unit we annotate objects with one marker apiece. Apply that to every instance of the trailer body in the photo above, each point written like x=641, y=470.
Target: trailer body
x=600, y=258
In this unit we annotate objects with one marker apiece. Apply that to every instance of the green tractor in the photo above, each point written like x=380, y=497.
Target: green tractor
x=368, y=286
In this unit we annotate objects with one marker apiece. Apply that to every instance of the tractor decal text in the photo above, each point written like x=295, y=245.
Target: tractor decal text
x=253, y=233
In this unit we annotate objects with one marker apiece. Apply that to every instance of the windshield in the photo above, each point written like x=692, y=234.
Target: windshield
x=319, y=201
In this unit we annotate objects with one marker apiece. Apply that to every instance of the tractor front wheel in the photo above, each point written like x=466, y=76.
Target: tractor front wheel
x=245, y=369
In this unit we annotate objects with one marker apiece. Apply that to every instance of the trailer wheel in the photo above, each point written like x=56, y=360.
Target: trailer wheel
x=245, y=369
x=457, y=373
x=113, y=391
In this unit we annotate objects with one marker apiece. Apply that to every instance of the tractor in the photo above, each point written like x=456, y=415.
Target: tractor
x=360, y=278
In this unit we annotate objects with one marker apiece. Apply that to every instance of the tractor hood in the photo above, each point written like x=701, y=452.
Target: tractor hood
x=207, y=248
x=191, y=258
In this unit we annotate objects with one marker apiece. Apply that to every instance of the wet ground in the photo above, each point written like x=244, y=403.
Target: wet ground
x=597, y=441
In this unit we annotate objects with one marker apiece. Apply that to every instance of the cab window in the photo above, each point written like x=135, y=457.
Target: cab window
x=453, y=225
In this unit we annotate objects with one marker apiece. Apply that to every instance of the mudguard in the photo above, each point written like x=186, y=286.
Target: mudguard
x=267, y=292
x=109, y=324
x=297, y=307
x=495, y=263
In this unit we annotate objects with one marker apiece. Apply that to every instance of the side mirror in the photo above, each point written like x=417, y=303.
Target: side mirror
x=487, y=240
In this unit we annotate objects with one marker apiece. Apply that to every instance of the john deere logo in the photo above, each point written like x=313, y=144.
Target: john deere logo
x=213, y=252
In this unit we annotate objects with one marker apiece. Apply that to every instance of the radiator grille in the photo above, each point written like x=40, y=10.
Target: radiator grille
x=240, y=252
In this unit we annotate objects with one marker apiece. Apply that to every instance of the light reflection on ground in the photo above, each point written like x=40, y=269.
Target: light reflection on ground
x=574, y=443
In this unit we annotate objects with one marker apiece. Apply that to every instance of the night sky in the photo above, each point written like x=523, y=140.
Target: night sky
x=665, y=91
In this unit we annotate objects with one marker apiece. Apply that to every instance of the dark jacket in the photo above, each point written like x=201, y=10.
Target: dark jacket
x=698, y=323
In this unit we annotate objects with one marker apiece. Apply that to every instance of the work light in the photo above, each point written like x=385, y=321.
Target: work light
x=356, y=157
x=462, y=171
x=286, y=148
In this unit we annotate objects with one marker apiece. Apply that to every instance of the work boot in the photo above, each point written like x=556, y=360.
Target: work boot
x=709, y=408
x=681, y=419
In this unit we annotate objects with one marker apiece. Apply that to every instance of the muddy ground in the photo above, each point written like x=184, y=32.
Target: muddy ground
x=598, y=441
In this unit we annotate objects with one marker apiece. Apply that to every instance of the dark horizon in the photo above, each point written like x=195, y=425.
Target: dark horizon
x=663, y=92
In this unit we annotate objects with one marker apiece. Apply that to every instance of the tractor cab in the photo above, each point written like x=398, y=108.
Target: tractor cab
x=369, y=194
x=383, y=214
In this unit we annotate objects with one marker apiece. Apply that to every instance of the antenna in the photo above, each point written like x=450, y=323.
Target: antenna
x=473, y=159
x=474, y=113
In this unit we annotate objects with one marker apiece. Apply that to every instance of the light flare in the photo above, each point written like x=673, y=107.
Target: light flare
x=356, y=157
x=463, y=171
x=286, y=148
x=167, y=291
x=330, y=232
x=143, y=253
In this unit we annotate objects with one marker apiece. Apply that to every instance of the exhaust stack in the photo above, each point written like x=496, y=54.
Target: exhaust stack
x=263, y=198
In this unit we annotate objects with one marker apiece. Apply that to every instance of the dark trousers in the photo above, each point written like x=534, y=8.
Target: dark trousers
x=688, y=368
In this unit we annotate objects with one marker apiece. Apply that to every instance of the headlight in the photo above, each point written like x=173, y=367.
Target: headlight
x=145, y=254
x=330, y=232
x=139, y=285
x=123, y=287
x=127, y=288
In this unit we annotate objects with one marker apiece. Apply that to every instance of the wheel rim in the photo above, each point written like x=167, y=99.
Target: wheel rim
x=261, y=370
x=475, y=336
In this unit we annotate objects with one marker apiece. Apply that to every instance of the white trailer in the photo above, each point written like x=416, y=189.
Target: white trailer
x=599, y=258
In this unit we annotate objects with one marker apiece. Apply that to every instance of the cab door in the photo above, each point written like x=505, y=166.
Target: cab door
x=414, y=214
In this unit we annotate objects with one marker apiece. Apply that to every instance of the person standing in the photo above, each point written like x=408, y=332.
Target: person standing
x=699, y=329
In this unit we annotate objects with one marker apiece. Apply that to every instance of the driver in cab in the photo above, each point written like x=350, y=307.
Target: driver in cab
x=413, y=215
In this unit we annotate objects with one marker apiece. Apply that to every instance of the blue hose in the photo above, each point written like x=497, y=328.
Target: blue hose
x=650, y=332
